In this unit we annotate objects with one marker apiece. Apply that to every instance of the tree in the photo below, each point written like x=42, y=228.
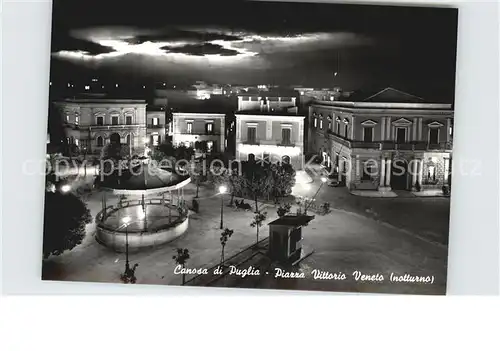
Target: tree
x=197, y=174
x=258, y=220
x=283, y=210
x=283, y=180
x=65, y=218
x=231, y=179
x=181, y=259
x=258, y=181
x=224, y=236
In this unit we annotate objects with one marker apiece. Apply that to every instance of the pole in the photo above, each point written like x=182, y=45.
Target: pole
x=127, y=265
x=310, y=202
x=221, y=211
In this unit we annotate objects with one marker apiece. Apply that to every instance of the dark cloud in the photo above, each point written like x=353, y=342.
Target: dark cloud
x=201, y=50
x=68, y=43
x=182, y=35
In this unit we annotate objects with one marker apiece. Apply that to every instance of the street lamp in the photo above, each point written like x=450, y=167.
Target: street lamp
x=222, y=190
x=65, y=188
x=323, y=181
x=126, y=222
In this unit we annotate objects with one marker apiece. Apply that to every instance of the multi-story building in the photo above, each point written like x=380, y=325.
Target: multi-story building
x=203, y=131
x=388, y=140
x=267, y=101
x=270, y=137
x=91, y=124
x=156, y=125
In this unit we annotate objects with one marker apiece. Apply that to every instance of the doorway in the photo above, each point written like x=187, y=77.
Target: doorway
x=399, y=174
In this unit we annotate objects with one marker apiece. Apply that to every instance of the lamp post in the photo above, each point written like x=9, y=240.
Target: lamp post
x=323, y=181
x=222, y=190
x=65, y=188
x=126, y=221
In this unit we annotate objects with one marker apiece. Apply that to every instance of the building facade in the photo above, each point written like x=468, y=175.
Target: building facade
x=90, y=124
x=376, y=144
x=266, y=102
x=199, y=130
x=156, y=127
x=270, y=138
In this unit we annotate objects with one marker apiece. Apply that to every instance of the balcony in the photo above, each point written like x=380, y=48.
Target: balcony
x=115, y=126
x=416, y=146
x=391, y=145
x=286, y=144
x=251, y=142
x=155, y=126
x=195, y=133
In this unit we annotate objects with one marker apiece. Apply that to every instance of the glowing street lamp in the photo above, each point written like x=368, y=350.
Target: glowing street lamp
x=65, y=188
x=126, y=222
x=222, y=190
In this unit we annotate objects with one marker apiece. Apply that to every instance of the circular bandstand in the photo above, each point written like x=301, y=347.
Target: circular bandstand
x=151, y=210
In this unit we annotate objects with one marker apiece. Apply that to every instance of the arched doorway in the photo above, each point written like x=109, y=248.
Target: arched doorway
x=399, y=174
x=115, y=139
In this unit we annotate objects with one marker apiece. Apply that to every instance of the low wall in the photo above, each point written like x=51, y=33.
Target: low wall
x=137, y=240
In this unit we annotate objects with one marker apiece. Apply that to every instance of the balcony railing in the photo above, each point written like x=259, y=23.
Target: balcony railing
x=109, y=126
x=195, y=133
x=251, y=142
x=391, y=145
x=155, y=126
x=286, y=144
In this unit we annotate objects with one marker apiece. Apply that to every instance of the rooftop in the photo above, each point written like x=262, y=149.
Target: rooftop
x=292, y=220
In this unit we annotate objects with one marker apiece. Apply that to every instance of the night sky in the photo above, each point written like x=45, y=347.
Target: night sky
x=409, y=48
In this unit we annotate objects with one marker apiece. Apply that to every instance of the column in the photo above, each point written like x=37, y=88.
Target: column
x=382, y=130
x=169, y=206
x=446, y=170
x=352, y=128
x=414, y=128
x=222, y=135
x=448, y=126
x=420, y=171
x=388, y=173
x=414, y=172
x=178, y=197
x=388, y=129
x=420, y=129
x=382, y=172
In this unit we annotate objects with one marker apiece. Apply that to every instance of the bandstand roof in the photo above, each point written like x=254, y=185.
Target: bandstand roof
x=144, y=179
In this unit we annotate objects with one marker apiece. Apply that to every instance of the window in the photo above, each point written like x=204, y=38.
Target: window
x=155, y=139
x=338, y=128
x=100, y=121
x=114, y=120
x=252, y=135
x=315, y=122
x=346, y=130
x=320, y=124
x=128, y=120
x=129, y=140
x=209, y=128
x=210, y=146
x=77, y=142
x=189, y=127
x=329, y=125
x=67, y=118
x=77, y=118
x=368, y=134
x=433, y=136
x=156, y=121
x=100, y=141
x=285, y=136
x=401, y=135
